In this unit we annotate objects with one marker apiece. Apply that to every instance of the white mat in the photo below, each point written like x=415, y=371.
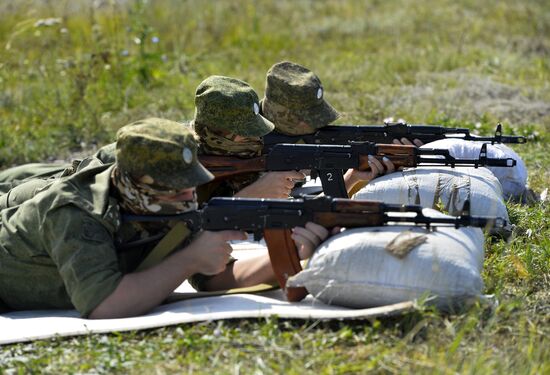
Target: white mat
x=33, y=325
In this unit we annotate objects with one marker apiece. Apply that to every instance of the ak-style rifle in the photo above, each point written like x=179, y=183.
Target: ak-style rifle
x=273, y=220
x=345, y=134
x=330, y=161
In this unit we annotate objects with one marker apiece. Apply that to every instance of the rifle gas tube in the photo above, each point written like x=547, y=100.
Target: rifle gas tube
x=273, y=220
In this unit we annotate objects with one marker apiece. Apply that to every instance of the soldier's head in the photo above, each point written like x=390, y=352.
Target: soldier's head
x=157, y=167
x=294, y=100
x=227, y=118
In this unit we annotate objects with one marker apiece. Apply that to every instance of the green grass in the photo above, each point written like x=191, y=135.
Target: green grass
x=67, y=87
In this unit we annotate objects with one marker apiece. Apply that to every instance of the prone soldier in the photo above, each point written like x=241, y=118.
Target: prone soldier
x=66, y=246
x=294, y=101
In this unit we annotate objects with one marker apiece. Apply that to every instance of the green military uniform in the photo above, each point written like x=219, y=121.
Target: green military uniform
x=294, y=100
x=224, y=109
x=22, y=182
x=31, y=170
x=57, y=249
x=61, y=247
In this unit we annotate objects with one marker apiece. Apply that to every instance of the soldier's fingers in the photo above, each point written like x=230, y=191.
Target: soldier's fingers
x=418, y=142
x=390, y=167
x=305, y=252
x=312, y=237
x=288, y=184
x=405, y=141
x=295, y=175
x=375, y=165
x=319, y=230
x=304, y=245
x=227, y=249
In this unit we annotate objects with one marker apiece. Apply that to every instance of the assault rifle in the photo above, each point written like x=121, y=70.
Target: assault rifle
x=345, y=134
x=273, y=220
x=330, y=161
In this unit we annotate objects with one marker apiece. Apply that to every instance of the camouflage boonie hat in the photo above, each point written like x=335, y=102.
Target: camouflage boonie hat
x=230, y=105
x=295, y=93
x=160, y=153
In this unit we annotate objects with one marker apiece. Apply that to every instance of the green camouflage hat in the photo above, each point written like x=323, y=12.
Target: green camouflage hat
x=160, y=153
x=230, y=105
x=295, y=93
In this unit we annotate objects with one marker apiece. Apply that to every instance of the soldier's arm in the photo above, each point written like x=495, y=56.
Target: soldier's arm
x=353, y=176
x=272, y=185
x=139, y=292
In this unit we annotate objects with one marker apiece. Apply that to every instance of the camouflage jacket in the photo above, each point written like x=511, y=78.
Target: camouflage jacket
x=57, y=249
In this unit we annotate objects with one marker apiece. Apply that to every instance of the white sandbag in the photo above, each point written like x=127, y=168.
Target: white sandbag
x=513, y=179
x=354, y=269
x=434, y=186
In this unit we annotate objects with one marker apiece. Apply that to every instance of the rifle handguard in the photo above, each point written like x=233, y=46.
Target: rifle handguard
x=284, y=261
x=400, y=155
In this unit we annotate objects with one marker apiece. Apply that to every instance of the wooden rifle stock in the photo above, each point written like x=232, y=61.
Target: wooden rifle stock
x=225, y=166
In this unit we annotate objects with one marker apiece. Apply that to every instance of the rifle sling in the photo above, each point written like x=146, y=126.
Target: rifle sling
x=358, y=186
x=167, y=245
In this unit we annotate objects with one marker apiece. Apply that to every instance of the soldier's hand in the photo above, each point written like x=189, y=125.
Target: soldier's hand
x=211, y=252
x=404, y=141
x=377, y=168
x=307, y=239
x=272, y=185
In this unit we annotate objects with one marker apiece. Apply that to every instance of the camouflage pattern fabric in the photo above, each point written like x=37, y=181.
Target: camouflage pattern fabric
x=288, y=122
x=160, y=153
x=31, y=170
x=294, y=100
x=22, y=192
x=228, y=122
x=57, y=248
x=142, y=199
x=229, y=105
x=60, y=249
x=45, y=173
x=23, y=172
x=212, y=143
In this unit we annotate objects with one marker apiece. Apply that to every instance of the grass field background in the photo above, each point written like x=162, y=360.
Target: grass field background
x=73, y=72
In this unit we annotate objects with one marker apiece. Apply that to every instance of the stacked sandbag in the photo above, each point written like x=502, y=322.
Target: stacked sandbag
x=366, y=267
x=442, y=188
x=512, y=179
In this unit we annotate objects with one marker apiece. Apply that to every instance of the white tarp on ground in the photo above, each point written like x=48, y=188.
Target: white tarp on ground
x=33, y=325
